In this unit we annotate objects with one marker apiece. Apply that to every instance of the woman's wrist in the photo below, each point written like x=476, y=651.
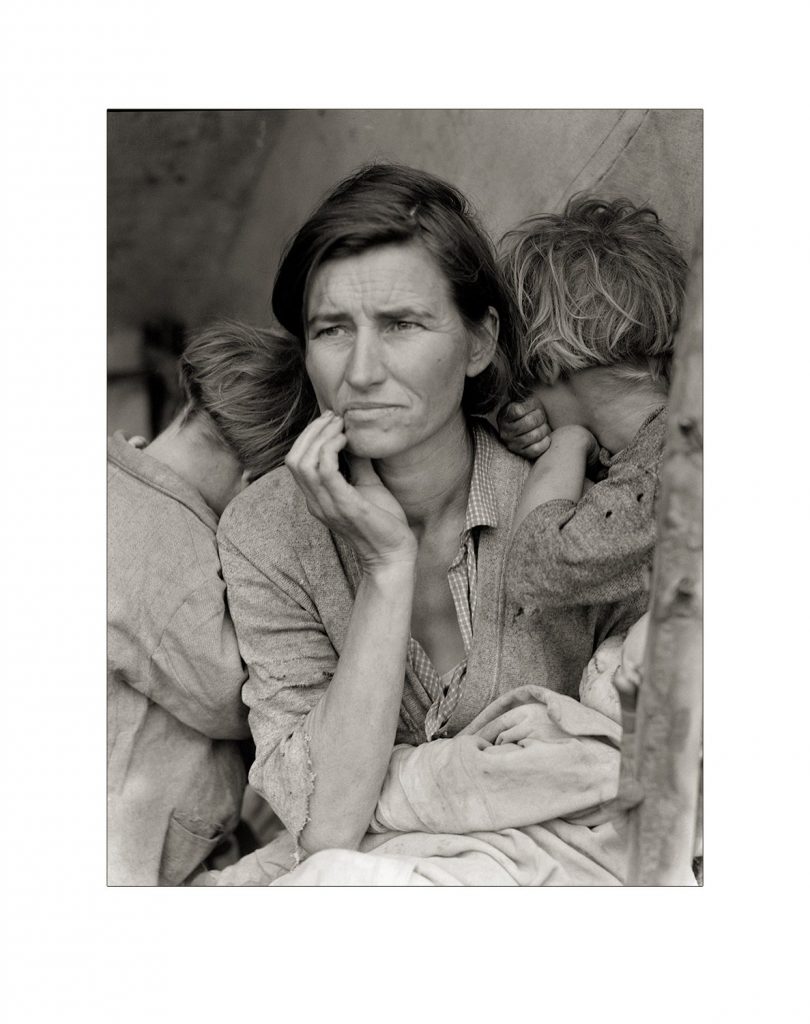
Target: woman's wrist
x=395, y=570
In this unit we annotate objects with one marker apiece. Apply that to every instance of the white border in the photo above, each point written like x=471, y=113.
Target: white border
x=81, y=951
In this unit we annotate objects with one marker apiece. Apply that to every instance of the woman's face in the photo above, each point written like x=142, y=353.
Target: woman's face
x=387, y=349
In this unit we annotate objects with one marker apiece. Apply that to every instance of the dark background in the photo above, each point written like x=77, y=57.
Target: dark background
x=200, y=203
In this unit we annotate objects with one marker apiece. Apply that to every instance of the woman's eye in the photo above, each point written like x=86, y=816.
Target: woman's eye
x=405, y=325
x=329, y=332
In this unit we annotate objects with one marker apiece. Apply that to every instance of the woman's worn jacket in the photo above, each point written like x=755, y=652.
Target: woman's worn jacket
x=291, y=586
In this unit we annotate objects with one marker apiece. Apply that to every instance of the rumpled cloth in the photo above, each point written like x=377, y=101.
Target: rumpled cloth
x=525, y=795
x=531, y=756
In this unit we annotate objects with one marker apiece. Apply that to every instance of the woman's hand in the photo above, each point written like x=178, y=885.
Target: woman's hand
x=352, y=728
x=363, y=512
x=524, y=428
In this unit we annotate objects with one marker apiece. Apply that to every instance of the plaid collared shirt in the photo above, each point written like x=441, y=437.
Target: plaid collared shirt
x=482, y=510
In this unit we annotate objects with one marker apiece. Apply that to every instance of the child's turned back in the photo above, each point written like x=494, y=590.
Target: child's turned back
x=600, y=289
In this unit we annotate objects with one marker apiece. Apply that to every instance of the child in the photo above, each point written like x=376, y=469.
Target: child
x=175, y=715
x=600, y=291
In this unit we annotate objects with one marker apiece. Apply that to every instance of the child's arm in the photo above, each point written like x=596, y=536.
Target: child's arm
x=559, y=474
x=595, y=551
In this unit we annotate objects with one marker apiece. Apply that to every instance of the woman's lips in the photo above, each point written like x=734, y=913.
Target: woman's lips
x=367, y=412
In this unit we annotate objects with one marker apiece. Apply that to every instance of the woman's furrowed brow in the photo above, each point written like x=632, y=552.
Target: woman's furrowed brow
x=405, y=313
x=399, y=312
x=327, y=316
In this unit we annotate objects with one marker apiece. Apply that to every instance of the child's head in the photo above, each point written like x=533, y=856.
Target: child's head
x=247, y=387
x=599, y=285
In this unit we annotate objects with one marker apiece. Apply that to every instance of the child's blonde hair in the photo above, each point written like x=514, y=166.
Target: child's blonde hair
x=599, y=285
x=251, y=385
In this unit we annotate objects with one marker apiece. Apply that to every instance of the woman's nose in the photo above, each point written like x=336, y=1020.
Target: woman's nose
x=365, y=367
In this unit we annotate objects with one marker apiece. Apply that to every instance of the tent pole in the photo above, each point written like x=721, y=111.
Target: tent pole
x=666, y=748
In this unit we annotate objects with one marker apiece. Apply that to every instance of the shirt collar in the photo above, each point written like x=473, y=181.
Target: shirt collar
x=149, y=471
x=482, y=505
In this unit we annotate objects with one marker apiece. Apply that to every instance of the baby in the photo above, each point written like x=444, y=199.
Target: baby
x=600, y=289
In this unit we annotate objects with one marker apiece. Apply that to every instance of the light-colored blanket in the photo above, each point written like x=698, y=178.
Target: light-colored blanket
x=525, y=795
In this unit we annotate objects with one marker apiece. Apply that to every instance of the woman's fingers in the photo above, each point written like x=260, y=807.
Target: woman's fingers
x=318, y=471
x=313, y=456
x=506, y=721
x=322, y=453
x=302, y=442
x=304, y=461
x=335, y=494
x=363, y=511
x=309, y=437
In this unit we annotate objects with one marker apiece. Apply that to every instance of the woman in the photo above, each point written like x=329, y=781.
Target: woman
x=370, y=610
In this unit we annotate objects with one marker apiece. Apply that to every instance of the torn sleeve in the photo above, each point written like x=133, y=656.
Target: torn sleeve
x=598, y=550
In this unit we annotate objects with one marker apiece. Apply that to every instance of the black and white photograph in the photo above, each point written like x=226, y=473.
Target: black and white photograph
x=404, y=454
x=404, y=497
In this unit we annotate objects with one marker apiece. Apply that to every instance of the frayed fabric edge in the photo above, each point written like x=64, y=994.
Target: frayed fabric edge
x=299, y=853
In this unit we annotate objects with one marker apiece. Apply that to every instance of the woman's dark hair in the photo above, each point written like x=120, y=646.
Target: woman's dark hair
x=383, y=204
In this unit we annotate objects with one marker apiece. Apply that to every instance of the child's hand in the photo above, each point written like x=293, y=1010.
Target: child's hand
x=524, y=429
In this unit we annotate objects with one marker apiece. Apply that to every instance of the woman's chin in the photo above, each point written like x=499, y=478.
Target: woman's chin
x=368, y=450
x=372, y=444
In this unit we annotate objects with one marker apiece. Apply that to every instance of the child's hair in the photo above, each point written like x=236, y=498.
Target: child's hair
x=251, y=387
x=599, y=285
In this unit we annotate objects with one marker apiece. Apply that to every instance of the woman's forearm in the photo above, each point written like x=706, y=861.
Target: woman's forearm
x=353, y=728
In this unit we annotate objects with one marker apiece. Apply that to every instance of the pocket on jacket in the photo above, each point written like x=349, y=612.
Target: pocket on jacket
x=183, y=852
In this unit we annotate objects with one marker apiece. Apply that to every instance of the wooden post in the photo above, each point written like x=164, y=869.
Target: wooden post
x=666, y=754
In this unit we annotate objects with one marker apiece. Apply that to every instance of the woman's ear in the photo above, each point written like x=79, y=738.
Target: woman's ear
x=483, y=342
